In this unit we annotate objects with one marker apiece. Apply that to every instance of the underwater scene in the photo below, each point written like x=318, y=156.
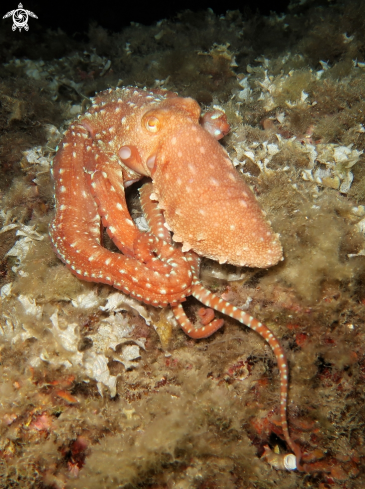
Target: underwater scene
x=182, y=252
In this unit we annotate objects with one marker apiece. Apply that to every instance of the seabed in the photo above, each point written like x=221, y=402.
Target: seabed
x=100, y=391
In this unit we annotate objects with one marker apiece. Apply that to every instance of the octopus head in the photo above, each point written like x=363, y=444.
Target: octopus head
x=206, y=203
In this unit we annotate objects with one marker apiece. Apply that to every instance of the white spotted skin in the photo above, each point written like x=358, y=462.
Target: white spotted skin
x=213, y=209
x=195, y=192
x=156, y=222
x=89, y=183
x=182, y=144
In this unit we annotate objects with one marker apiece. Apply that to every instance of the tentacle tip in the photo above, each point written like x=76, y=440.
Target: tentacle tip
x=206, y=315
x=298, y=457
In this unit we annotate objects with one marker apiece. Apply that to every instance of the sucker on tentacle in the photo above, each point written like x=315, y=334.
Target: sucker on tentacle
x=195, y=193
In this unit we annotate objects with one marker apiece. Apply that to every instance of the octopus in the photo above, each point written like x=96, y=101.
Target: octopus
x=195, y=202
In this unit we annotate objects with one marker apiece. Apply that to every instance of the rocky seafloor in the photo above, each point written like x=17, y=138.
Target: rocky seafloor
x=100, y=391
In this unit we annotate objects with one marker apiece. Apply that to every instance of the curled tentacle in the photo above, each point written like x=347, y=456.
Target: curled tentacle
x=206, y=315
x=196, y=333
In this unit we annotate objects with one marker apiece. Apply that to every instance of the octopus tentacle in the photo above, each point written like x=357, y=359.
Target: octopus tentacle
x=196, y=333
x=113, y=210
x=210, y=325
x=212, y=300
x=79, y=244
x=153, y=213
x=206, y=315
x=147, y=249
x=156, y=222
x=158, y=255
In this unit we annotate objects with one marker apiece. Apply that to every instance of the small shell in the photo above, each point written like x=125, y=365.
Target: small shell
x=280, y=461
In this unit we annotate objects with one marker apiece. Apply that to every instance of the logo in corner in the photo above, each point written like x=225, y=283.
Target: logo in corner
x=20, y=17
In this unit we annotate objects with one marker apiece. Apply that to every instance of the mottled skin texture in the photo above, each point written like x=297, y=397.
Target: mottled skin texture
x=209, y=207
x=195, y=192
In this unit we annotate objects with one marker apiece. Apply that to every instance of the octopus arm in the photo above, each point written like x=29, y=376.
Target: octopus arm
x=106, y=185
x=78, y=244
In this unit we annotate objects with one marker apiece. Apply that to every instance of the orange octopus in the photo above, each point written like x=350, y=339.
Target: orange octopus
x=195, y=193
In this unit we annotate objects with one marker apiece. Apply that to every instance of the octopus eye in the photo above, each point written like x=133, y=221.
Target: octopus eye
x=152, y=124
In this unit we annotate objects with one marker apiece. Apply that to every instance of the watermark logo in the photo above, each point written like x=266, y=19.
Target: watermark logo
x=20, y=18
